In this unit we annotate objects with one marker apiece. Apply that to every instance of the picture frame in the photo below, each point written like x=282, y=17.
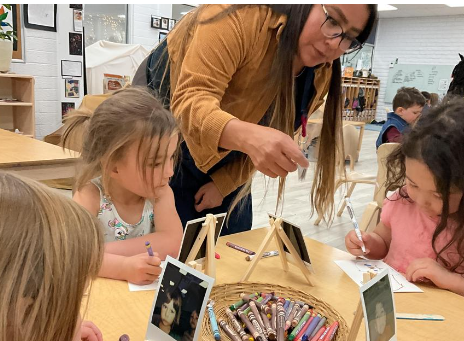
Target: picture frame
x=296, y=237
x=379, y=308
x=40, y=17
x=71, y=68
x=172, y=23
x=75, y=44
x=162, y=35
x=79, y=6
x=71, y=88
x=164, y=23
x=191, y=233
x=155, y=21
x=77, y=20
x=14, y=19
x=185, y=291
x=66, y=107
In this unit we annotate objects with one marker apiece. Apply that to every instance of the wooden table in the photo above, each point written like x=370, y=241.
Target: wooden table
x=117, y=311
x=361, y=125
x=35, y=159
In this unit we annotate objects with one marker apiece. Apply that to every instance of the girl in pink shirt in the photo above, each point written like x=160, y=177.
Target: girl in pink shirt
x=421, y=229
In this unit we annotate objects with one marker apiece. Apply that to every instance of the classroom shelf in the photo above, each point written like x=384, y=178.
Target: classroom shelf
x=351, y=87
x=21, y=114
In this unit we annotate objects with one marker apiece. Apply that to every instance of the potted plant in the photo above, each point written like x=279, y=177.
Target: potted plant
x=7, y=36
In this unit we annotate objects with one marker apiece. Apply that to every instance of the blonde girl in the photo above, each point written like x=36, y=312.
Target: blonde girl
x=128, y=154
x=51, y=248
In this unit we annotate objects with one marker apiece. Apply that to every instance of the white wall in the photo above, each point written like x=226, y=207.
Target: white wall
x=419, y=40
x=140, y=30
x=42, y=59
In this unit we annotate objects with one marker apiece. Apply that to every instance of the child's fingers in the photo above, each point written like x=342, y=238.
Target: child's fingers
x=153, y=261
x=90, y=325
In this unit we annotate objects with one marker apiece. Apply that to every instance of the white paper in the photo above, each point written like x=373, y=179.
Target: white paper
x=356, y=267
x=71, y=68
x=443, y=84
x=43, y=15
x=147, y=287
x=77, y=20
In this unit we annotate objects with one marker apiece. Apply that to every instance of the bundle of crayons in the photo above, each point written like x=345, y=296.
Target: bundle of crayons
x=268, y=317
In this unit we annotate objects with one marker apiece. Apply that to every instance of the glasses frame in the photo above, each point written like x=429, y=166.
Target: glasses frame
x=342, y=34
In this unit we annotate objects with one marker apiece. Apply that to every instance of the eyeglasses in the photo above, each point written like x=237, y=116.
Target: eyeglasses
x=332, y=29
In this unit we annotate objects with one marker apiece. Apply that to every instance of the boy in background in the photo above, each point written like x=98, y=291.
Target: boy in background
x=407, y=107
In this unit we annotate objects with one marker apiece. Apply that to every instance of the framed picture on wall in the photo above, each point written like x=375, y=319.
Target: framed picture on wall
x=155, y=21
x=172, y=23
x=162, y=35
x=66, y=107
x=40, y=17
x=75, y=44
x=77, y=22
x=71, y=88
x=164, y=23
x=79, y=6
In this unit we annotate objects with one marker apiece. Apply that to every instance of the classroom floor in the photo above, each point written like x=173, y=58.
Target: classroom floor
x=296, y=207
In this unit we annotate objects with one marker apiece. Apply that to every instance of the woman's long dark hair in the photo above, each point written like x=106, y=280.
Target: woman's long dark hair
x=457, y=84
x=282, y=111
x=437, y=139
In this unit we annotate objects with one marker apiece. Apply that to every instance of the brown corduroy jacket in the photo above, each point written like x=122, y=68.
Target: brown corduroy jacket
x=225, y=66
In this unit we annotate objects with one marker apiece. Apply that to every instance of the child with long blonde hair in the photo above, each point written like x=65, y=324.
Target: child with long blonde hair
x=129, y=147
x=421, y=229
x=50, y=249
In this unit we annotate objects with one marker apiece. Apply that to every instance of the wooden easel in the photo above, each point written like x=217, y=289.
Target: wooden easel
x=281, y=238
x=207, y=264
x=358, y=317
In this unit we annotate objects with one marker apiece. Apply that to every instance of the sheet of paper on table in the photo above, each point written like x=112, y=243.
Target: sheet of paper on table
x=147, y=287
x=356, y=267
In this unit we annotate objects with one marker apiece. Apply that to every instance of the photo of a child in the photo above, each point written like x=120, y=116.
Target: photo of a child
x=169, y=317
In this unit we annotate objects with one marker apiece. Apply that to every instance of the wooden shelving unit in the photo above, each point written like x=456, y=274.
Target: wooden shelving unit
x=351, y=87
x=18, y=114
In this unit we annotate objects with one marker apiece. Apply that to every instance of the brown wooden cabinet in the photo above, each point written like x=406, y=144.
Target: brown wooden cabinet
x=353, y=108
x=20, y=113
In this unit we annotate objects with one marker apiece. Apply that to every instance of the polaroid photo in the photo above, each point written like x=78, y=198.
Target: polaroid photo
x=164, y=23
x=379, y=308
x=71, y=88
x=162, y=35
x=155, y=21
x=77, y=22
x=295, y=235
x=191, y=234
x=180, y=303
x=172, y=23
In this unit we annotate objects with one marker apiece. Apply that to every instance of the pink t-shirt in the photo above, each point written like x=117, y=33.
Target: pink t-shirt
x=412, y=232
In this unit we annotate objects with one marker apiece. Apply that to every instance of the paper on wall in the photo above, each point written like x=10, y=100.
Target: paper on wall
x=356, y=267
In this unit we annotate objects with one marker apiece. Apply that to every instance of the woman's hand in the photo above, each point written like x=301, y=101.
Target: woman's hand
x=208, y=196
x=272, y=152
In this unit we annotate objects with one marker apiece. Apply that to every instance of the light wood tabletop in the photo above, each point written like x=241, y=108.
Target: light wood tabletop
x=117, y=311
x=35, y=159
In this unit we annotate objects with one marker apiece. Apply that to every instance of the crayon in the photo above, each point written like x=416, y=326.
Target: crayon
x=291, y=316
x=274, y=316
x=214, y=326
x=300, y=326
x=289, y=309
x=265, y=255
x=124, y=337
x=256, y=324
x=318, y=334
x=250, y=326
x=286, y=304
x=311, y=328
x=236, y=305
x=326, y=331
x=236, y=325
x=321, y=323
x=247, y=298
x=271, y=334
x=239, y=248
x=280, y=321
x=264, y=301
x=217, y=255
x=300, y=314
x=333, y=329
x=228, y=330
x=256, y=314
x=149, y=249
x=305, y=328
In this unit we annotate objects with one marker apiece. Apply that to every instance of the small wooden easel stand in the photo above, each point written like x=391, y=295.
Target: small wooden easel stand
x=277, y=232
x=359, y=312
x=206, y=265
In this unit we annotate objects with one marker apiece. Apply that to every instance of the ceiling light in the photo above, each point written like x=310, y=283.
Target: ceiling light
x=455, y=5
x=183, y=13
x=385, y=7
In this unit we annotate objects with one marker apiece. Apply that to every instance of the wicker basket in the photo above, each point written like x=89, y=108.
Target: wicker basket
x=226, y=294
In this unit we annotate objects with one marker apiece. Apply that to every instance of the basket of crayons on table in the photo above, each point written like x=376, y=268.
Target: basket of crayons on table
x=257, y=311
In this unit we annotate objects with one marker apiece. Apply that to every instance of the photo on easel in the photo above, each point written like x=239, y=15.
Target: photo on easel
x=191, y=234
x=180, y=303
x=379, y=308
x=295, y=236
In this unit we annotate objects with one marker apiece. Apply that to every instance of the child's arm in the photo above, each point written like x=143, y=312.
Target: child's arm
x=139, y=269
x=377, y=242
x=168, y=233
x=429, y=268
x=89, y=198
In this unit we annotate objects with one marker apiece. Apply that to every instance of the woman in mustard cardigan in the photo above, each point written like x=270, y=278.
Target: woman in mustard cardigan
x=240, y=79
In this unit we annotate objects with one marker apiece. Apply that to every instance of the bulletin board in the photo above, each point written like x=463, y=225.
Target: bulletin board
x=431, y=78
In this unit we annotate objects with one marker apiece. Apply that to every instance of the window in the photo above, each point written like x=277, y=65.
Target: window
x=105, y=22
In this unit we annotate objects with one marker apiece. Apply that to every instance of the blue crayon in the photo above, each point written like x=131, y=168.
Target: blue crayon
x=214, y=325
x=319, y=326
x=286, y=304
x=289, y=309
x=311, y=327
